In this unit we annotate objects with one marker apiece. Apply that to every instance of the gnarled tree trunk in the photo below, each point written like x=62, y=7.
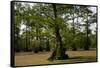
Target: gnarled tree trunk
x=59, y=51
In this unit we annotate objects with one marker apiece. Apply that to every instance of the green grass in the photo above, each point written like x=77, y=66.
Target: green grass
x=30, y=58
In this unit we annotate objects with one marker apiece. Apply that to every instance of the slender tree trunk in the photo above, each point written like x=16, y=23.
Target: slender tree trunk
x=59, y=51
x=73, y=45
x=86, y=47
x=74, y=48
x=36, y=48
x=26, y=39
x=17, y=38
x=47, y=45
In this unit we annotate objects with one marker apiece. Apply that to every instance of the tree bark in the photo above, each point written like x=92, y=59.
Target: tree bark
x=26, y=39
x=74, y=48
x=59, y=51
x=47, y=45
x=73, y=45
x=86, y=47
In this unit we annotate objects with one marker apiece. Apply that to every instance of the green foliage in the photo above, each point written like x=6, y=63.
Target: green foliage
x=40, y=24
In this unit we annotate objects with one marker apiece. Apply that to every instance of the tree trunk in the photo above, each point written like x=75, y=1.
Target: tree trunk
x=74, y=48
x=59, y=51
x=86, y=47
x=37, y=45
x=26, y=40
x=47, y=45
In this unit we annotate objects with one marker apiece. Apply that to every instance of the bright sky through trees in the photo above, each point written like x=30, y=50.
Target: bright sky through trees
x=92, y=26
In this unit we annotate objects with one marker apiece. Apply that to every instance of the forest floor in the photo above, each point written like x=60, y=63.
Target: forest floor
x=29, y=58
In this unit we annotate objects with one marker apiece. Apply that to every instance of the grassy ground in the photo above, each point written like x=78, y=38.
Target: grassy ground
x=30, y=58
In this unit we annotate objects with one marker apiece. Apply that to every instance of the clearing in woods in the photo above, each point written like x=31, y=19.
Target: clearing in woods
x=29, y=58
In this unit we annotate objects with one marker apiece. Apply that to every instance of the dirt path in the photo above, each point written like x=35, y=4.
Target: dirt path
x=29, y=58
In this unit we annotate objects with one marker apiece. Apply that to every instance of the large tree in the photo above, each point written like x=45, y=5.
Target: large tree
x=59, y=51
